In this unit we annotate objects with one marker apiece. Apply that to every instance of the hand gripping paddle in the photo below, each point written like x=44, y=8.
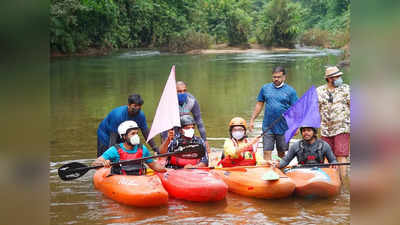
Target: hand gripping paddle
x=75, y=170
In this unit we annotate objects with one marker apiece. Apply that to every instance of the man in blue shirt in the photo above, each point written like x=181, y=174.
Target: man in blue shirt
x=128, y=150
x=107, y=134
x=278, y=97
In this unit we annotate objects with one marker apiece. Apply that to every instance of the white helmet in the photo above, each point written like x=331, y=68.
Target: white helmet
x=126, y=125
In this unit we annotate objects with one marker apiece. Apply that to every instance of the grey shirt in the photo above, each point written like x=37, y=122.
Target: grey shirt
x=192, y=106
x=294, y=151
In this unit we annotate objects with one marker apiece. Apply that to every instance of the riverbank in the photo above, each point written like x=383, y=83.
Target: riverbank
x=87, y=52
x=225, y=49
x=214, y=49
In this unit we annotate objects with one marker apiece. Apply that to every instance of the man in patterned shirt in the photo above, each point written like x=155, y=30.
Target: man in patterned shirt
x=334, y=107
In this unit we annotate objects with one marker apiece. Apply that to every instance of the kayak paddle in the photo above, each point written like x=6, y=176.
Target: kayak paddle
x=319, y=165
x=270, y=126
x=275, y=157
x=241, y=169
x=235, y=168
x=75, y=170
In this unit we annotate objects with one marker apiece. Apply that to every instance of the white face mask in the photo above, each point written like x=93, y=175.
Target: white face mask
x=188, y=132
x=135, y=140
x=238, y=134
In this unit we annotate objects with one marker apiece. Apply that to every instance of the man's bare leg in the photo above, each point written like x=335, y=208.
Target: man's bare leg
x=342, y=169
x=267, y=155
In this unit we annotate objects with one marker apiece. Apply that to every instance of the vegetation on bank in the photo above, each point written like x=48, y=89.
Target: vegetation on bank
x=182, y=25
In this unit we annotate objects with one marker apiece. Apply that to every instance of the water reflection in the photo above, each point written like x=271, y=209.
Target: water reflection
x=278, y=57
x=131, y=54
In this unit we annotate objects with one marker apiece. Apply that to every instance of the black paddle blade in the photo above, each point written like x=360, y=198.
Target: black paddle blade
x=190, y=151
x=72, y=171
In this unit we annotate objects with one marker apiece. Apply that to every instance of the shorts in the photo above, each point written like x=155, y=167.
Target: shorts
x=340, y=144
x=269, y=141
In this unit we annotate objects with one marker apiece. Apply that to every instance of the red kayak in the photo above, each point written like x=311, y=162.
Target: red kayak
x=193, y=185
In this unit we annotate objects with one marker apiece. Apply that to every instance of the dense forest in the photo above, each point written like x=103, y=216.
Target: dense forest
x=182, y=25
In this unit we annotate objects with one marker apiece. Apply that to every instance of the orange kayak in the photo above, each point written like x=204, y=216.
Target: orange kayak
x=142, y=191
x=193, y=185
x=315, y=182
x=247, y=181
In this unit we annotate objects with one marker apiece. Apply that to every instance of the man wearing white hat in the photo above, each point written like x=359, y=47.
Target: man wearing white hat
x=334, y=107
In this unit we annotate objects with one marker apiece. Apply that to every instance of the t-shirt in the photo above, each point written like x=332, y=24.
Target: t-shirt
x=192, y=106
x=112, y=153
x=114, y=119
x=277, y=101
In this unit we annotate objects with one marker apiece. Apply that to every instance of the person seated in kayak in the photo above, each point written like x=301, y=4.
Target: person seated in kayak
x=309, y=150
x=239, y=150
x=129, y=149
x=184, y=138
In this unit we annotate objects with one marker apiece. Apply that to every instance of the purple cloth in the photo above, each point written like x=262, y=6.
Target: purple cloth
x=305, y=112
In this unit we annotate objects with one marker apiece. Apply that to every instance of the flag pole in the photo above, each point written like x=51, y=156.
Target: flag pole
x=270, y=126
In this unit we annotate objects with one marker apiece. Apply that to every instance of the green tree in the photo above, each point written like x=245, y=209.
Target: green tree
x=280, y=23
x=337, y=17
x=64, y=25
x=76, y=25
x=330, y=28
x=326, y=14
x=238, y=26
x=316, y=10
x=181, y=25
x=98, y=19
x=229, y=20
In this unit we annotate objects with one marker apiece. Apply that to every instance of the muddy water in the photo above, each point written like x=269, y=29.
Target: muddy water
x=85, y=89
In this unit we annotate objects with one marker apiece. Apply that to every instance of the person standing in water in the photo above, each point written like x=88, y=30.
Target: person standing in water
x=334, y=107
x=189, y=105
x=107, y=133
x=278, y=97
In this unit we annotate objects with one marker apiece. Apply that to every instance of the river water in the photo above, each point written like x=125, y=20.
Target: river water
x=85, y=89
